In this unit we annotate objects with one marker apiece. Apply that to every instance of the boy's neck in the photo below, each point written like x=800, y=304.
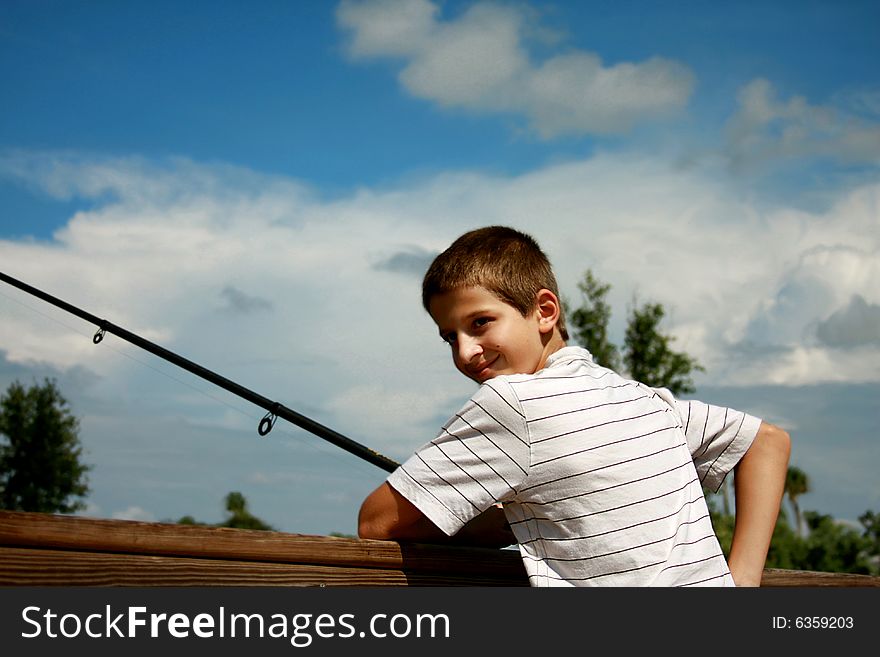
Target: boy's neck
x=553, y=343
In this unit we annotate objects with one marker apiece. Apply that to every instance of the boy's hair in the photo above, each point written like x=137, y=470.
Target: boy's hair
x=508, y=263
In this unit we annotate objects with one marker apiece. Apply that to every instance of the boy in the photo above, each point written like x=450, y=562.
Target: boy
x=597, y=478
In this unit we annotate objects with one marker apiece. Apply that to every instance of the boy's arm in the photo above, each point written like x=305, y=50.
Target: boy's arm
x=759, y=482
x=388, y=515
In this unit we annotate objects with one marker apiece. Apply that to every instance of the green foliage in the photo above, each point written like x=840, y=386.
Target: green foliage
x=828, y=546
x=647, y=352
x=40, y=452
x=834, y=547
x=818, y=542
x=648, y=355
x=589, y=322
x=871, y=523
x=239, y=515
x=787, y=548
x=722, y=522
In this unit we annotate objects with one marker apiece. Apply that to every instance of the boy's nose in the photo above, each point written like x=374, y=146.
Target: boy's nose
x=468, y=349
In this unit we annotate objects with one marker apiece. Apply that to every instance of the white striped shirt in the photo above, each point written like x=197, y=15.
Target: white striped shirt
x=600, y=477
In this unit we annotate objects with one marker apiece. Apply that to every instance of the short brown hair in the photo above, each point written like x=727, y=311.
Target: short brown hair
x=508, y=263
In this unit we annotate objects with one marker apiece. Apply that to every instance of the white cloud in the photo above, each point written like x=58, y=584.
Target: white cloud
x=767, y=128
x=387, y=27
x=378, y=411
x=330, y=328
x=134, y=513
x=480, y=61
x=821, y=281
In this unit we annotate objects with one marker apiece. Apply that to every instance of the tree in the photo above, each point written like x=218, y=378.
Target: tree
x=40, y=452
x=834, y=547
x=871, y=523
x=647, y=353
x=648, y=356
x=796, y=484
x=239, y=515
x=589, y=322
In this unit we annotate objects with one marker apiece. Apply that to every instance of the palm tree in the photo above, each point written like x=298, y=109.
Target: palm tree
x=797, y=483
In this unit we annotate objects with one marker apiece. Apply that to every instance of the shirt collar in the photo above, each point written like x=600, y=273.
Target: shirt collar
x=567, y=354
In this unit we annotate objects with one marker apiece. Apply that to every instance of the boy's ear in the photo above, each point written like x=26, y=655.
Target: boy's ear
x=548, y=309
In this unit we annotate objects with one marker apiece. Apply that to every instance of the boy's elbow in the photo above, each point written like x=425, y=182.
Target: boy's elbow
x=387, y=515
x=370, y=525
x=373, y=531
x=775, y=439
x=379, y=515
x=365, y=530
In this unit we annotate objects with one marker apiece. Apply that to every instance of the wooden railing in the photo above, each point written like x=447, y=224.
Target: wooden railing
x=54, y=550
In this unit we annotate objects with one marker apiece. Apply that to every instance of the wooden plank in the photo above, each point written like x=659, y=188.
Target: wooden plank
x=91, y=550
x=126, y=536
x=37, y=567
x=781, y=577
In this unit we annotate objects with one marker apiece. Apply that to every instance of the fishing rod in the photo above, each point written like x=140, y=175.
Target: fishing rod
x=273, y=409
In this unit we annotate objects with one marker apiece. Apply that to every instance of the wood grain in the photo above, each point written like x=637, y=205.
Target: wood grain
x=355, y=561
x=780, y=577
x=54, y=550
x=36, y=567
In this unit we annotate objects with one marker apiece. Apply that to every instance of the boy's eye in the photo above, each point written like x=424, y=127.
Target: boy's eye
x=448, y=338
x=482, y=321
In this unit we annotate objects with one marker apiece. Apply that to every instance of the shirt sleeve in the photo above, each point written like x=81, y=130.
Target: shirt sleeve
x=478, y=459
x=717, y=436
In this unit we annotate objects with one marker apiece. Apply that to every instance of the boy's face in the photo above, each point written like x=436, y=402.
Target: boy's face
x=489, y=337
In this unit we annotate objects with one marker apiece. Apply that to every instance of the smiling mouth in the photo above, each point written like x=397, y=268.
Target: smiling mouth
x=480, y=371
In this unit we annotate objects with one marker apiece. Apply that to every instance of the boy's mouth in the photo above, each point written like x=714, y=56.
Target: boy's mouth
x=481, y=371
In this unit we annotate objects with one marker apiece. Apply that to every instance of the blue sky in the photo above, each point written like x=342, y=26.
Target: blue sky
x=258, y=185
